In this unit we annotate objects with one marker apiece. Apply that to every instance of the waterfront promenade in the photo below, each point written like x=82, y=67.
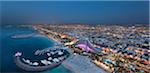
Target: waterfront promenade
x=76, y=63
x=115, y=50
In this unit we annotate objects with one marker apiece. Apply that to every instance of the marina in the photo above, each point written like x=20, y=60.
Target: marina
x=75, y=36
x=26, y=47
x=53, y=59
x=107, y=50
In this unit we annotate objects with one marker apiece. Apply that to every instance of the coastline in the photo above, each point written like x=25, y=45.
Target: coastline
x=49, y=37
x=77, y=63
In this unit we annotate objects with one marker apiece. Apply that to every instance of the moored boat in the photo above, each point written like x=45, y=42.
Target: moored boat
x=53, y=59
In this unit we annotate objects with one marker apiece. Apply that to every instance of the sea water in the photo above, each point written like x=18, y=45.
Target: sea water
x=27, y=46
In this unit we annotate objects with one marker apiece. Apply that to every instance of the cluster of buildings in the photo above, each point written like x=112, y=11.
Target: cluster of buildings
x=115, y=48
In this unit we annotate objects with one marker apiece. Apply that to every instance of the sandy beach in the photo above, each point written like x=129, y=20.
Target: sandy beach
x=78, y=63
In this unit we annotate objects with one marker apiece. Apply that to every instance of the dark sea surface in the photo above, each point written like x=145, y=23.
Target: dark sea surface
x=9, y=46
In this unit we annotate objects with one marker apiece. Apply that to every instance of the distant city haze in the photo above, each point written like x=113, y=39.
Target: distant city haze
x=91, y=12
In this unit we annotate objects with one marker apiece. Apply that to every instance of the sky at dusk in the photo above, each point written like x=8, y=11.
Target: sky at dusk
x=50, y=12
